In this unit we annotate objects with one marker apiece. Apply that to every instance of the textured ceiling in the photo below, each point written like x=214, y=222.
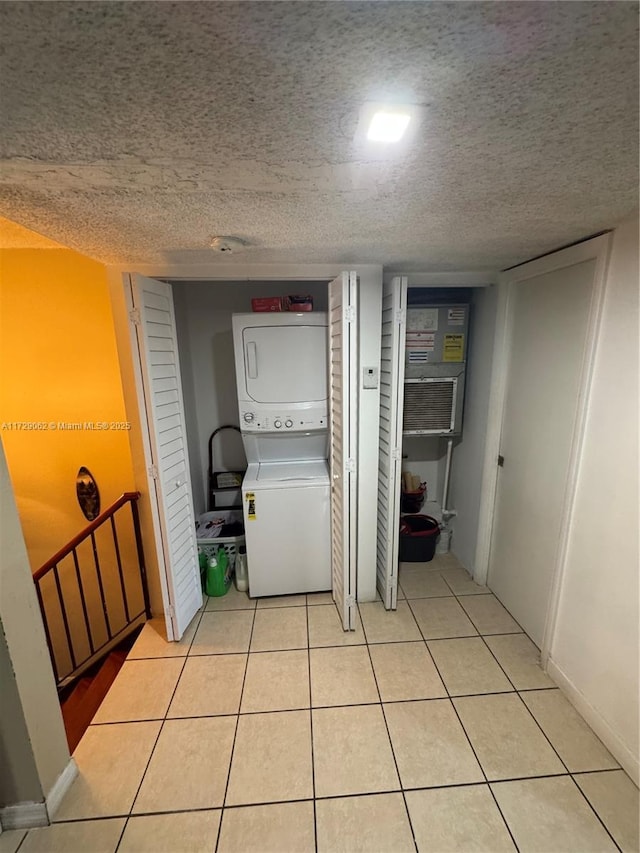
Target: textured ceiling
x=135, y=131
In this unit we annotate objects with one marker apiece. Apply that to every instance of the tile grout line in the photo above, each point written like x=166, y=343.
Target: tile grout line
x=173, y=693
x=490, y=789
x=517, y=693
x=313, y=762
x=325, y=797
x=386, y=725
x=455, y=711
x=491, y=592
x=502, y=669
x=604, y=770
x=339, y=645
x=521, y=700
x=425, y=639
x=22, y=840
x=564, y=764
x=592, y=807
x=235, y=732
x=341, y=704
x=484, y=636
x=453, y=592
x=315, y=798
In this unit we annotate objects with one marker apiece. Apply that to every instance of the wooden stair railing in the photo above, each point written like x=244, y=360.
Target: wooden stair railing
x=87, y=591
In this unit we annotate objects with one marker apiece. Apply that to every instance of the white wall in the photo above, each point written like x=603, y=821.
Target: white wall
x=425, y=456
x=468, y=455
x=31, y=728
x=594, y=650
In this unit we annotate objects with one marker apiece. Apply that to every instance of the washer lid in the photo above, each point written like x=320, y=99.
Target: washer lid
x=301, y=472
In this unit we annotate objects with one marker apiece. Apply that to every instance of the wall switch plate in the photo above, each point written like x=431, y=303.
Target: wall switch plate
x=369, y=377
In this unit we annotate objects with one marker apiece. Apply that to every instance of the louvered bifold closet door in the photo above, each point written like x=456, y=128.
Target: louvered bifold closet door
x=169, y=470
x=343, y=451
x=394, y=318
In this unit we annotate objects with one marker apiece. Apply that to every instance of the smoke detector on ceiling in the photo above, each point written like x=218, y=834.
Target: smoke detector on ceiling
x=227, y=244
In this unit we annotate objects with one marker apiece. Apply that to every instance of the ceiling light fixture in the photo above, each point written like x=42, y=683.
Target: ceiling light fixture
x=388, y=126
x=387, y=129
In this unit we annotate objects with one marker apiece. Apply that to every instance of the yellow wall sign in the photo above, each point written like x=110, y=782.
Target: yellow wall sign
x=250, y=498
x=453, y=348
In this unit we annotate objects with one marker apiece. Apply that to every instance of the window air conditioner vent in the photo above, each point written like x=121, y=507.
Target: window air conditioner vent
x=430, y=406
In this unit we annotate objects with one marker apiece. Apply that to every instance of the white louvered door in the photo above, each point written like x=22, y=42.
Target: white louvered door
x=343, y=452
x=394, y=317
x=154, y=320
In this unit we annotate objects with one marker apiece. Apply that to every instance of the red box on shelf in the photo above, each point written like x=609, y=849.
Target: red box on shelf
x=266, y=303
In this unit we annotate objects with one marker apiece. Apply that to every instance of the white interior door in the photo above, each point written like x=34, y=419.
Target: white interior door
x=547, y=321
x=394, y=318
x=343, y=455
x=169, y=480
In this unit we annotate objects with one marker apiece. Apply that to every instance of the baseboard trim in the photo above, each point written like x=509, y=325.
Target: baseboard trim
x=615, y=745
x=24, y=816
x=60, y=787
x=31, y=815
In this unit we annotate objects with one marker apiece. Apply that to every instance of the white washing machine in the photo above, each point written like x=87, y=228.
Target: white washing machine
x=281, y=372
x=286, y=514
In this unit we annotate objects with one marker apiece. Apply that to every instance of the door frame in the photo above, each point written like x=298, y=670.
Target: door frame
x=370, y=277
x=599, y=250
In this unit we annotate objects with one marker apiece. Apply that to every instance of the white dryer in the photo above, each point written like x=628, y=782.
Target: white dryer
x=281, y=372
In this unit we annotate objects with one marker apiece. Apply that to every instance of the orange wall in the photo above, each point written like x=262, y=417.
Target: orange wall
x=59, y=364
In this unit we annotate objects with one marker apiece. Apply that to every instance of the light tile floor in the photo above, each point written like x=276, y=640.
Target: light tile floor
x=267, y=728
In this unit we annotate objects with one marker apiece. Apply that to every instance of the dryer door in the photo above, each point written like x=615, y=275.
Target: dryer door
x=286, y=364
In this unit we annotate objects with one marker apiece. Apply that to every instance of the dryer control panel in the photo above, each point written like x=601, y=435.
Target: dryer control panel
x=282, y=420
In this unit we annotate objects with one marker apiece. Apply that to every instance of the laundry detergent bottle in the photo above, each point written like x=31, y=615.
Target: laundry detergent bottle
x=218, y=580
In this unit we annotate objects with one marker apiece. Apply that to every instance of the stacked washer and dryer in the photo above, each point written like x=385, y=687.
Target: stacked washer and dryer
x=281, y=372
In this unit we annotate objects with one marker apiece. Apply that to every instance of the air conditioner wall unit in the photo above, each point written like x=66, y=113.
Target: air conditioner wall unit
x=433, y=405
x=435, y=369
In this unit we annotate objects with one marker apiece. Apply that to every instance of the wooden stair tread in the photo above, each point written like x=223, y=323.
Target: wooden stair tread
x=77, y=694
x=80, y=708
